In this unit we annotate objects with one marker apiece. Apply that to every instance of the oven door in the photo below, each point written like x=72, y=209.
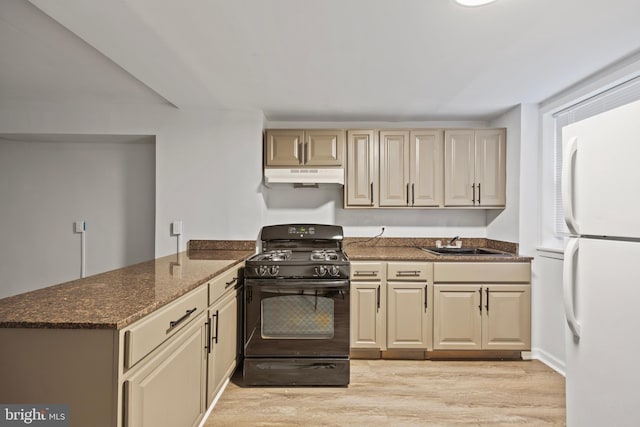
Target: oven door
x=296, y=318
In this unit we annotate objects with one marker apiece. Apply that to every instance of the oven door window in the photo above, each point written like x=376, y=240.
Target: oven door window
x=301, y=316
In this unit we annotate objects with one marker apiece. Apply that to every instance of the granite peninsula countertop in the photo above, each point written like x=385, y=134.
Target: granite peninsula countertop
x=408, y=249
x=115, y=299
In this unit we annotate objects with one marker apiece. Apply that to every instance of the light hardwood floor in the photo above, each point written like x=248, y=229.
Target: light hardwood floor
x=407, y=393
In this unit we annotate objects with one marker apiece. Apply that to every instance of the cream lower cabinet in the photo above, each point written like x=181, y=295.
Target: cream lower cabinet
x=482, y=306
x=409, y=313
x=222, y=357
x=390, y=305
x=368, y=305
x=168, y=389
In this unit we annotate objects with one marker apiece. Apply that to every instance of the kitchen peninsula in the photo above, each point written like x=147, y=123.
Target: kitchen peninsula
x=133, y=346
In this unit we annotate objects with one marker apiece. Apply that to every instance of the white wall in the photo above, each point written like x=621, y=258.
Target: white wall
x=48, y=183
x=504, y=224
x=208, y=163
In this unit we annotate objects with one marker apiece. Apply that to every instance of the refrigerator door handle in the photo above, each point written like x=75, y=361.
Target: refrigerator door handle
x=568, y=155
x=567, y=285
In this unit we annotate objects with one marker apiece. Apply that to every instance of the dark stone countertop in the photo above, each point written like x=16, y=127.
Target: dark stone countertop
x=115, y=299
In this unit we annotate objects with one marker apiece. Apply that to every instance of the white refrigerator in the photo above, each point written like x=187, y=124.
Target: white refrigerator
x=601, y=283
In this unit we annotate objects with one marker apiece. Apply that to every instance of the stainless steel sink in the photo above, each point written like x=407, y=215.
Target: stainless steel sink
x=466, y=251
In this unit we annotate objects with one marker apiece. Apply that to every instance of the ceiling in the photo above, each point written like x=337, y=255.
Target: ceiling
x=388, y=60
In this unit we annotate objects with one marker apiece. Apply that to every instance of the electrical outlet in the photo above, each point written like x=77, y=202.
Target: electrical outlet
x=176, y=228
x=80, y=226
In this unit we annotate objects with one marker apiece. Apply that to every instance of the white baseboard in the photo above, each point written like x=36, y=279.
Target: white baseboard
x=549, y=360
x=213, y=403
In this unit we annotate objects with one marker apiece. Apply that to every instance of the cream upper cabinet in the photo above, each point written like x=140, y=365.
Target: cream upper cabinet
x=368, y=305
x=482, y=306
x=459, y=169
x=362, y=172
x=409, y=305
x=320, y=147
x=491, y=167
x=411, y=168
x=425, y=167
x=394, y=168
x=475, y=167
x=284, y=147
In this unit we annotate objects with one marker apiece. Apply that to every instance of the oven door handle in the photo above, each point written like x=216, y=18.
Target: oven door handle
x=297, y=284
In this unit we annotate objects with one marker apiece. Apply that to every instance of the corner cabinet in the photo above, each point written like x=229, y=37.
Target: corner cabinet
x=292, y=147
x=475, y=168
x=223, y=330
x=167, y=390
x=482, y=306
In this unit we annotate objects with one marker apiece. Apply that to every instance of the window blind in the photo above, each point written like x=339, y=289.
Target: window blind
x=614, y=97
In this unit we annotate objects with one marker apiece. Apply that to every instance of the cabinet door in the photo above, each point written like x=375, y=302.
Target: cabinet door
x=323, y=147
x=168, y=390
x=224, y=335
x=459, y=172
x=491, y=167
x=368, y=302
x=394, y=168
x=425, y=169
x=457, y=317
x=506, y=323
x=362, y=158
x=284, y=148
x=407, y=315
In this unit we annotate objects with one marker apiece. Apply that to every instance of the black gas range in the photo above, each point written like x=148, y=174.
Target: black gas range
x=296, y=307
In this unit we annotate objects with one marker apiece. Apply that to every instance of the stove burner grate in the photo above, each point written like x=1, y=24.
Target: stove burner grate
x=324, y=255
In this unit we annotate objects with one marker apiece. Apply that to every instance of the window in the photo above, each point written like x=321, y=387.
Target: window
x=614, y=97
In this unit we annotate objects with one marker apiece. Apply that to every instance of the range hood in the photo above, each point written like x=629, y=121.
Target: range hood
x=307, y=176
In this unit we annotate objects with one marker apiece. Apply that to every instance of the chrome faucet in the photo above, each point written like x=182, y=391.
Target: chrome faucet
x=453, y=241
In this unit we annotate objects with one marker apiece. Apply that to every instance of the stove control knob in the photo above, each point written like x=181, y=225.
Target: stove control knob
x=261, y=270
x=273, y=270
x=334, y=270
x=321, y=271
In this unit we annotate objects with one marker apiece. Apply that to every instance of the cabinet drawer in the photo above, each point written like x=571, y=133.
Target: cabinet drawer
x=418, y=271
x=145, y=335
x=220, y=284
x=482, y=272
x=367, y=270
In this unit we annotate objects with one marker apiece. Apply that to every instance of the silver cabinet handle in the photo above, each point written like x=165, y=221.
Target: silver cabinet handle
x=407, y=273
x=479, y=194
x=473, y=197
x=365, y=273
